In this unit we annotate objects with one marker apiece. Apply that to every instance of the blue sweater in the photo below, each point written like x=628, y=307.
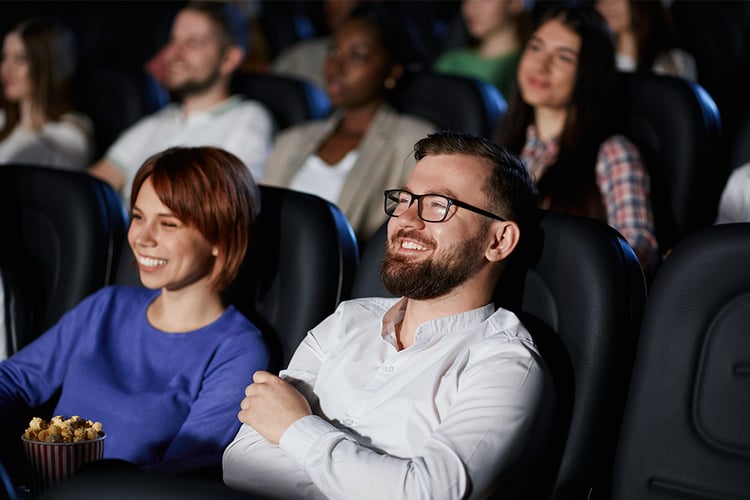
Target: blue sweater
x=162, y=398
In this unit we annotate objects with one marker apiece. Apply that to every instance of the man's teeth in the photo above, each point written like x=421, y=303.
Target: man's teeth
x=149, y=262
x=410, y=245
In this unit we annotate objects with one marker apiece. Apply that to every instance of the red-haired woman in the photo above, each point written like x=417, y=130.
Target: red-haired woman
x=160, y=366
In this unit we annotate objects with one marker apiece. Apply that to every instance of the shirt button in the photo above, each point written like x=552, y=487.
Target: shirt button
x=388, y=368
x=348, y=422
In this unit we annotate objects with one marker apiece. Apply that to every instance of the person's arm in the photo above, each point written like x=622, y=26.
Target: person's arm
x=734, y=205
x=108, y=172
x=68, y=142
x=625, y=187
x=212, y=421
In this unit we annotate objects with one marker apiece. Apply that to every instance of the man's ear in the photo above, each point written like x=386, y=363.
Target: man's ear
x=232, y=59
x=505, y=237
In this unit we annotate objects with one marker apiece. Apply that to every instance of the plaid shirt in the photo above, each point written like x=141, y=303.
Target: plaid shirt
x=623, y=182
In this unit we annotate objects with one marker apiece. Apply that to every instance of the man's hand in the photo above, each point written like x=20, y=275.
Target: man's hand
x=271, y=405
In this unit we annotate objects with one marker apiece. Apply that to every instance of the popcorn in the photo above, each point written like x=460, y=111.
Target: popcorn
x=61, y=430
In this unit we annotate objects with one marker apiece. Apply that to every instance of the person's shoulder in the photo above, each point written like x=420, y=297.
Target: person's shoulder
x=241, y=105
x=302, y=49
x=170, y=112
x=302, y=129
x=450, y=57
x=507, y=332
x=618, y=144
x=417, y=124
x=405, y=122
x=235, y=323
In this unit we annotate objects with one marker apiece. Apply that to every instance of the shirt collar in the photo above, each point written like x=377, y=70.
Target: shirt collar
x=210, y=113
x=446, y=325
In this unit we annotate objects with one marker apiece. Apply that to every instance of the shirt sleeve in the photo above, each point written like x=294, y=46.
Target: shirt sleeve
x=625, y=187
x=251, y=137
x=32, y=375
x=69, y=142
x=734, y=205
x=222, y=387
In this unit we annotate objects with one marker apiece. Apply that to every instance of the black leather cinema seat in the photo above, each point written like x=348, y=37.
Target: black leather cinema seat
x=62, y=233
x=578, y=287
x=677, y=127
x=686, y=429
x=290, y=100
x=299, y=266
x=453, y=102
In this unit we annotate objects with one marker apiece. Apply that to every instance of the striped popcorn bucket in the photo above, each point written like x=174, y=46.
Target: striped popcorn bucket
x=52, y=462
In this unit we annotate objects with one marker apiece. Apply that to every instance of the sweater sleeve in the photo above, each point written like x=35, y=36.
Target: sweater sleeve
x=224, y=381
x=33, y=374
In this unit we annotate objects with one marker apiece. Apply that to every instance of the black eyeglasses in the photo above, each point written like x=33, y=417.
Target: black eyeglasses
x=430, y=207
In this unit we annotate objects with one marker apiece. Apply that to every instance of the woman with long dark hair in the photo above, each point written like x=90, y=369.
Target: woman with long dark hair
x=564, y=124
x=38, y=124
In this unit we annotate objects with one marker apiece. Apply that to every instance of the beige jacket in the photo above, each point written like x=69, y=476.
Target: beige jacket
x=385, y=161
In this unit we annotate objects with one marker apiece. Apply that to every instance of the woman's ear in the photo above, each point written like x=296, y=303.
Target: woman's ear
x=505, y=237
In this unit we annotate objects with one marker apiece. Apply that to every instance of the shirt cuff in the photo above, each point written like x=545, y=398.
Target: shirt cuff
x=299, y=437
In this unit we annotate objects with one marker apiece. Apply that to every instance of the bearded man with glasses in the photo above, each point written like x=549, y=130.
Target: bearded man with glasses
x=436, y=394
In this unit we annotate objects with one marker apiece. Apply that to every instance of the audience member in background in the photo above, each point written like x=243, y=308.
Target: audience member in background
x=38, y=123
x=734, y=205
x=305, y=58
x=563, y=123
x=437, y=394
x=204, y=50
x=645, y=38
x=363, y=148
x=497, y=30
x=160, y=366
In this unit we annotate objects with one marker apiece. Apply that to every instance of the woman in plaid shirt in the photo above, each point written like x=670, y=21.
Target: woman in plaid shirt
x=563, y=123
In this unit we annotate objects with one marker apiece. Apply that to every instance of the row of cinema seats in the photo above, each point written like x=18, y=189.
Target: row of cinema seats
x=679, y=431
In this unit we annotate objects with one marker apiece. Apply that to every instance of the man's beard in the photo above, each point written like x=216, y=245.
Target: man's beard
x=192, y=87
x=435, y=277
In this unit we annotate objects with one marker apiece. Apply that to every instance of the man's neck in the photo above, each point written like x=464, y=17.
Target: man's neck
x=418, y=312
x=204, y=100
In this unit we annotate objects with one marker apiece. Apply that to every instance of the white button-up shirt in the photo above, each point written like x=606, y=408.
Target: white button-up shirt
x=439, y=419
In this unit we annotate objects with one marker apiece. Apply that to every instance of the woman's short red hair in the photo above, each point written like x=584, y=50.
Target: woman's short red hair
x=211, y=190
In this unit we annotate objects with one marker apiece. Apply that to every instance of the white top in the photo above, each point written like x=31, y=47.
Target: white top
x=66, y=143
x=319, y=178
x=240, y=126
x=675, y=62
x=435, y=420
x=734, y=205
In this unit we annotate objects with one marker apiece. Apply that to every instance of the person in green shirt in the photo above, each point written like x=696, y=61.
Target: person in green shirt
x=497, y=31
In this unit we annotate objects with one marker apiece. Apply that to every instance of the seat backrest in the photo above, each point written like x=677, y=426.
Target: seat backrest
x=676, y=125
x=459, y=103
x=114, y=98
x=299, y=266
x=63, y=232
x=290, y=100
x=578, y=287
x=685, y=430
